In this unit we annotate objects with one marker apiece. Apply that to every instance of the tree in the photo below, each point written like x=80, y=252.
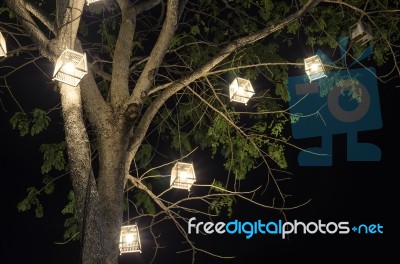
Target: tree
x=162, y=66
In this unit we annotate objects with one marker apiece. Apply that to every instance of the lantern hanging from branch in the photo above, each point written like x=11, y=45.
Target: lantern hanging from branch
x=241, y=90
x=314, y=68
x=3, y=46
x=182, y=176
x=360, y=33
x=70, y=68
x=129, y=239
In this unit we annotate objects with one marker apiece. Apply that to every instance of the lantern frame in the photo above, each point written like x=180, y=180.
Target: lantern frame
x=314, y=68
x=129, y=246
x=240, y=90
x=70, y=67
x=360, y=33
x=182, y=176
x=3, y=46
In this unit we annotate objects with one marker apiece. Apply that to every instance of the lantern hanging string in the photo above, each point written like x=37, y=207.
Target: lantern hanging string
x=179, y=133
x=127, y=201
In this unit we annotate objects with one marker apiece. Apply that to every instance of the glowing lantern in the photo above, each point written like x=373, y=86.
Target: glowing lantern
x=129, y=239
x=360, y=33
x=241, y=90
x=3, y=46
x=70, y=68
x=182, y=175
x=314, y=68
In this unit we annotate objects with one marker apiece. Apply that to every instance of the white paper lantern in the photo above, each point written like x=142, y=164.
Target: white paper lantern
x=70, y=68
x=182, y=176
x=360, y=33
x=129, y=239
x=3, y=46
x=314, y=68
x=241, y=90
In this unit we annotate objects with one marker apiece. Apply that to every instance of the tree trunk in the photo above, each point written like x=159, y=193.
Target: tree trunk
x=99, y=206
x=112, y=156
x=83, y=183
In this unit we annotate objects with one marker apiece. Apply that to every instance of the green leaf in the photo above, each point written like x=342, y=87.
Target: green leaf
x=142, y=199
x=53, y=157
x=180, y=141
x=144, y=154
x=195, y=30
x=33, y=123
x=223, y=202
x=40, y=121
x=71, y=229
x=49, y=184
x=71, y=223
x=20, y=121
x=294, y=118
x=31, y=201
x=70, y=207
x=293, y=27
x=276, y=152
x=277, y=129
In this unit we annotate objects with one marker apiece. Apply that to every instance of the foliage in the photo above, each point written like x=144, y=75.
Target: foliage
x=142, y=199
x=222, y=201
x=71, y=222
x=33, y=122
x=53, y=157
x=31, y=201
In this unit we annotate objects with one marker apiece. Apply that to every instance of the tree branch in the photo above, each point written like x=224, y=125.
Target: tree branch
x=138, y=184
x=93, y=102
x=42, y=16
x=157, y=54
x=67, y=33
x=122, y=54
x=96, y=69
x=142, y=7
x=94, y=105
x=39, y=39
x=202, y=71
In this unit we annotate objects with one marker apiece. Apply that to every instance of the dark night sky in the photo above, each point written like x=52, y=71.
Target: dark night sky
x=358, y=192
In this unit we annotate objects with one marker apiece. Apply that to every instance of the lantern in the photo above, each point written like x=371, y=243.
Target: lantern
x=360, y=33
x=182, y=176
x=129, y=239
x=241, y=90
x=70, y=68
x=3, y=47
x=314, y=68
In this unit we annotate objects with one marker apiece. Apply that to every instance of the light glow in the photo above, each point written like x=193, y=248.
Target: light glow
x=182, y=176
x=70, y=67
x=240, y=90
x=314, y=68
x=129, y=239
